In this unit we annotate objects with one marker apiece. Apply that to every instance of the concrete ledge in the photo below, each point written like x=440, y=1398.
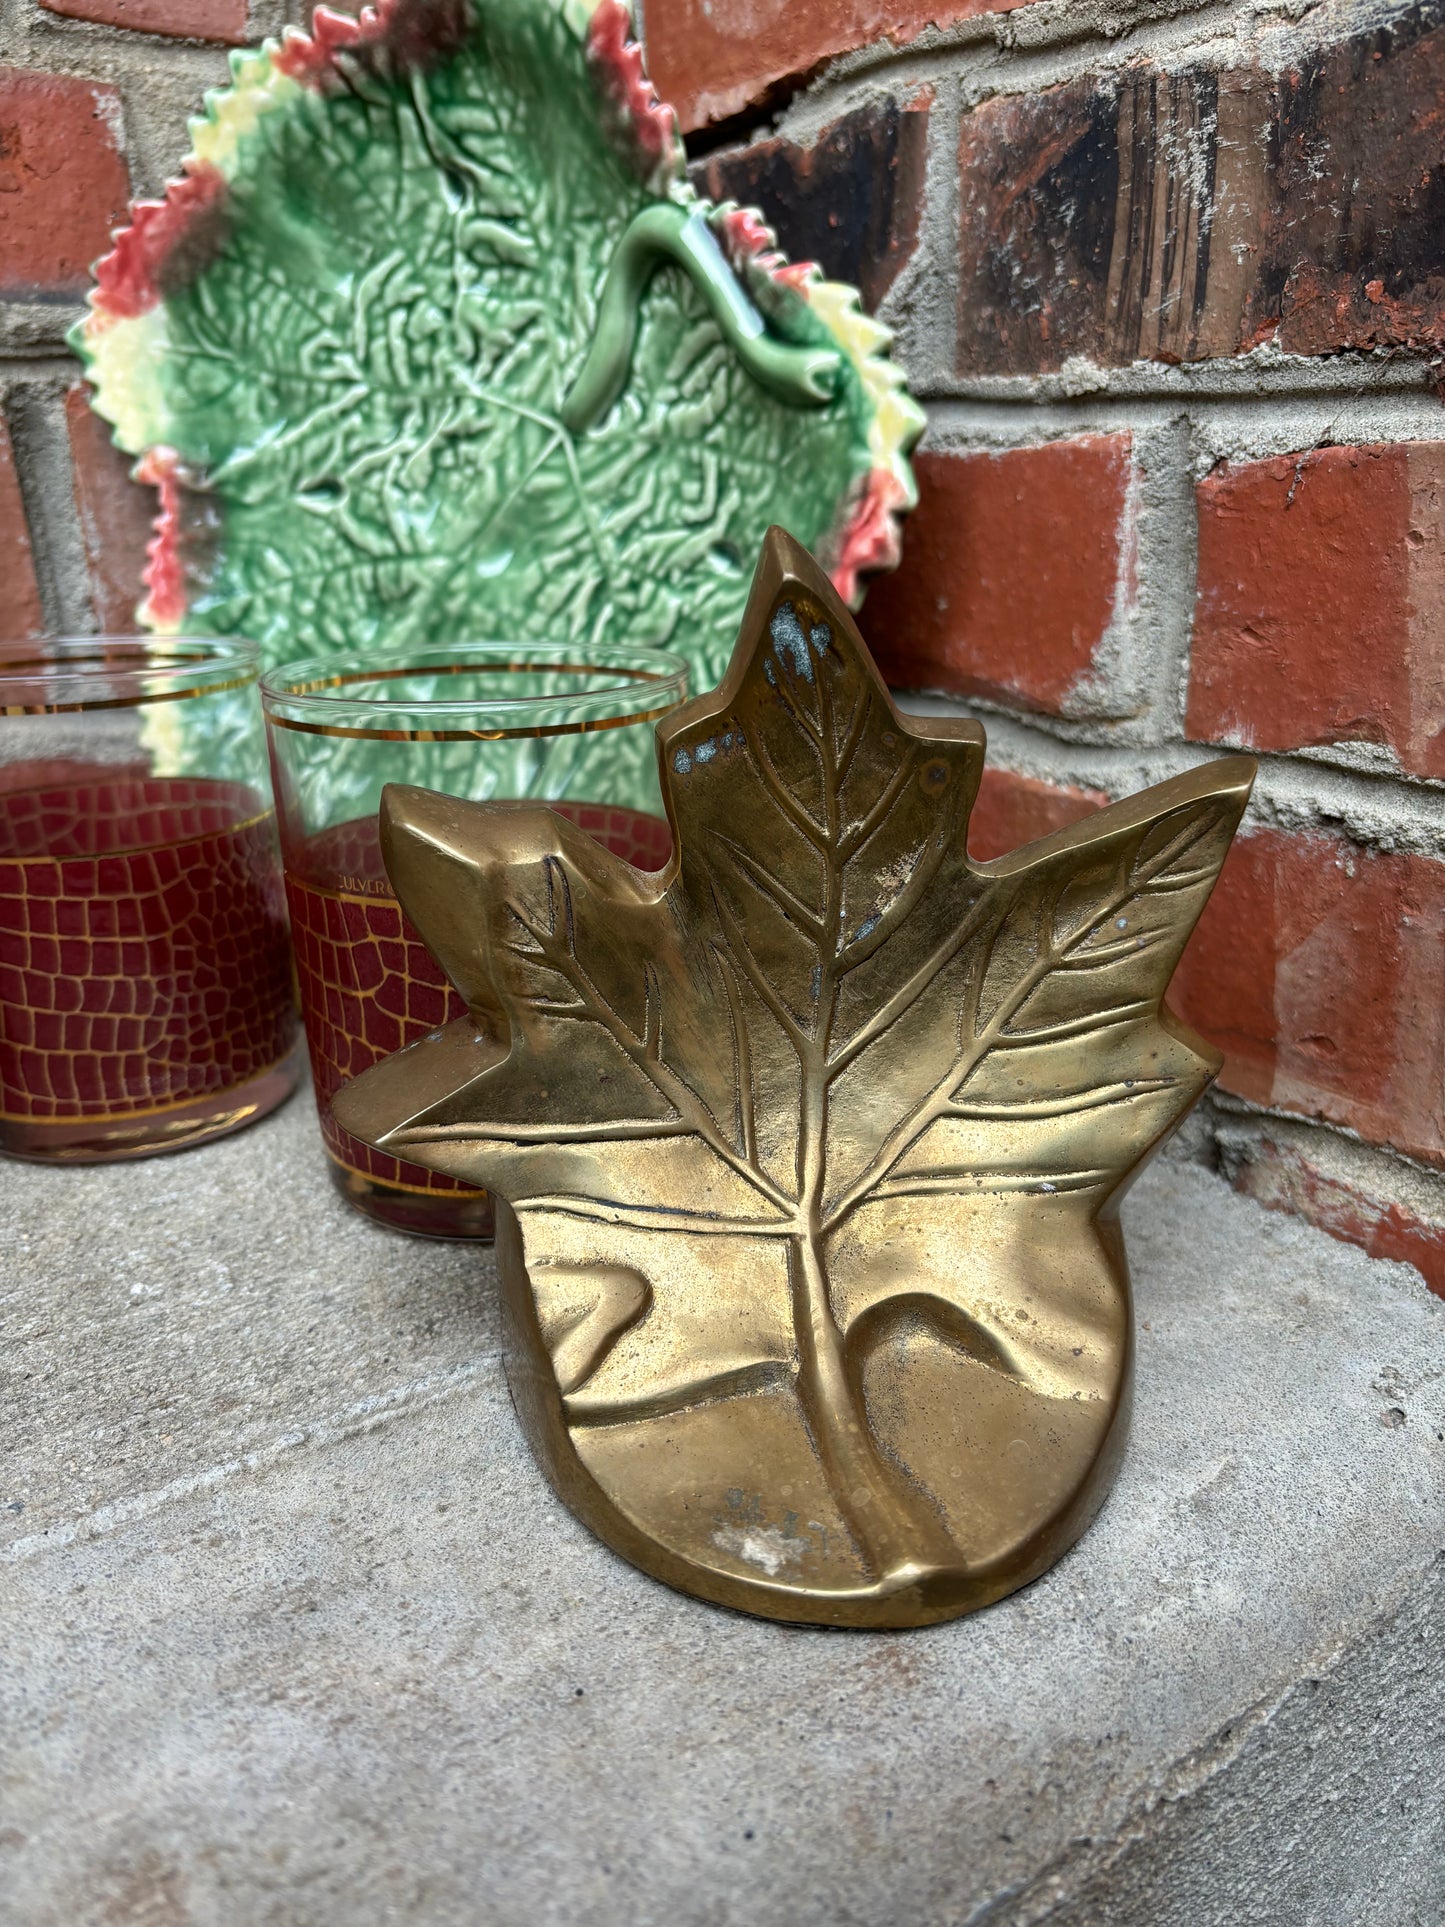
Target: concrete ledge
x=295, y=1634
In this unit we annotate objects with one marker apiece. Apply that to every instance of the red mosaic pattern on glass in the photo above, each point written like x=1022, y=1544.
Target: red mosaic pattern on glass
x=643, y=841
x=144, y=961
x=369, y=985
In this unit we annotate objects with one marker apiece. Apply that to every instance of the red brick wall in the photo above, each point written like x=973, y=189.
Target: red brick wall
x=1020, y=563
x=1175, y=302
x=94, y=96
x=716, y=58
x=20, y=614
x=1174, y=298
x=225, y=20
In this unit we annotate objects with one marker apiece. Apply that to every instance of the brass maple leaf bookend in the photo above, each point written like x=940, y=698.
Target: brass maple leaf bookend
x=814, y=1143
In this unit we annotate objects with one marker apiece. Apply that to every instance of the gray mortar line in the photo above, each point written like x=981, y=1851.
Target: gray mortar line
x=1380, y=809
x=40, y=371
x=970, y=54
x=1166, y=571
x=972, y=51
x=32, y=337
x=922, y=305
x=266, y=18
x=59, y=45
x=1277, y=424
x=365, y=1415
x=36, y=413
x=17, y=21
x=985, y=62
x=1265, y=373
x=1053, y=23
x=1378, y=1172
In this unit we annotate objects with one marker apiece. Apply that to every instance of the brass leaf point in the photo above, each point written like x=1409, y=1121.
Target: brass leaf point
x=814, y=1143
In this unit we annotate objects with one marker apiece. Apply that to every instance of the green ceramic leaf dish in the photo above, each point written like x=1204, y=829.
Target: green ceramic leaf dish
x=433, y=341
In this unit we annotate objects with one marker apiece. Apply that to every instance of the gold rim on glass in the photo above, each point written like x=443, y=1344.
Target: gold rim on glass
x=320, y=697
x=69, y=675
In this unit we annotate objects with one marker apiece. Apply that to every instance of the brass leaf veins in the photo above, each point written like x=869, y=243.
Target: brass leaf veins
x=814, y=1143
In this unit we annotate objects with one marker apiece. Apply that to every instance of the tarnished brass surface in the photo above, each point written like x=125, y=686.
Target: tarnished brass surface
x=816, y=1294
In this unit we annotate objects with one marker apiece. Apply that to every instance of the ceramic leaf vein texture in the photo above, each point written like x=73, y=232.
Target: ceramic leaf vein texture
x=813, y=1144
x=433, y=340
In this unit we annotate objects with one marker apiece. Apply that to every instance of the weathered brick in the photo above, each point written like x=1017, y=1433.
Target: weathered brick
x=116, y=515
x=1320, y=615
x=20, y=616
x=1354, y=249
x=850, y=201
x=1014, y=568
x=63, y=181
x=1013, y=809
x=1038, y=187
x=713, y=58
x=1283, y=1178
x=1186, y=214
x=223, y=20
x=1319, y=969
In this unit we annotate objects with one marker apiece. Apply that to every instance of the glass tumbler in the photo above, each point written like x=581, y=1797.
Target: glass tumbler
x=488, y=722
x=146, y=992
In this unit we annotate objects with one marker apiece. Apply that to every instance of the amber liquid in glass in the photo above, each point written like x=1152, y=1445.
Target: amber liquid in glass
x=146, y=999
x=369, y=986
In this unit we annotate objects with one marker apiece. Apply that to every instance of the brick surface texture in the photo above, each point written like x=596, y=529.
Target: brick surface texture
x=1182, y=215
x=1321, y=603
x=1283, y=1178
x=1319, y=967
x=1011, y=810
x=1121, y=572
x=63, y=180
x=715, y=58
x=850, y=200
x=115, y=515
x=223, y=20
x=20, y=615
x=1015, y=567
